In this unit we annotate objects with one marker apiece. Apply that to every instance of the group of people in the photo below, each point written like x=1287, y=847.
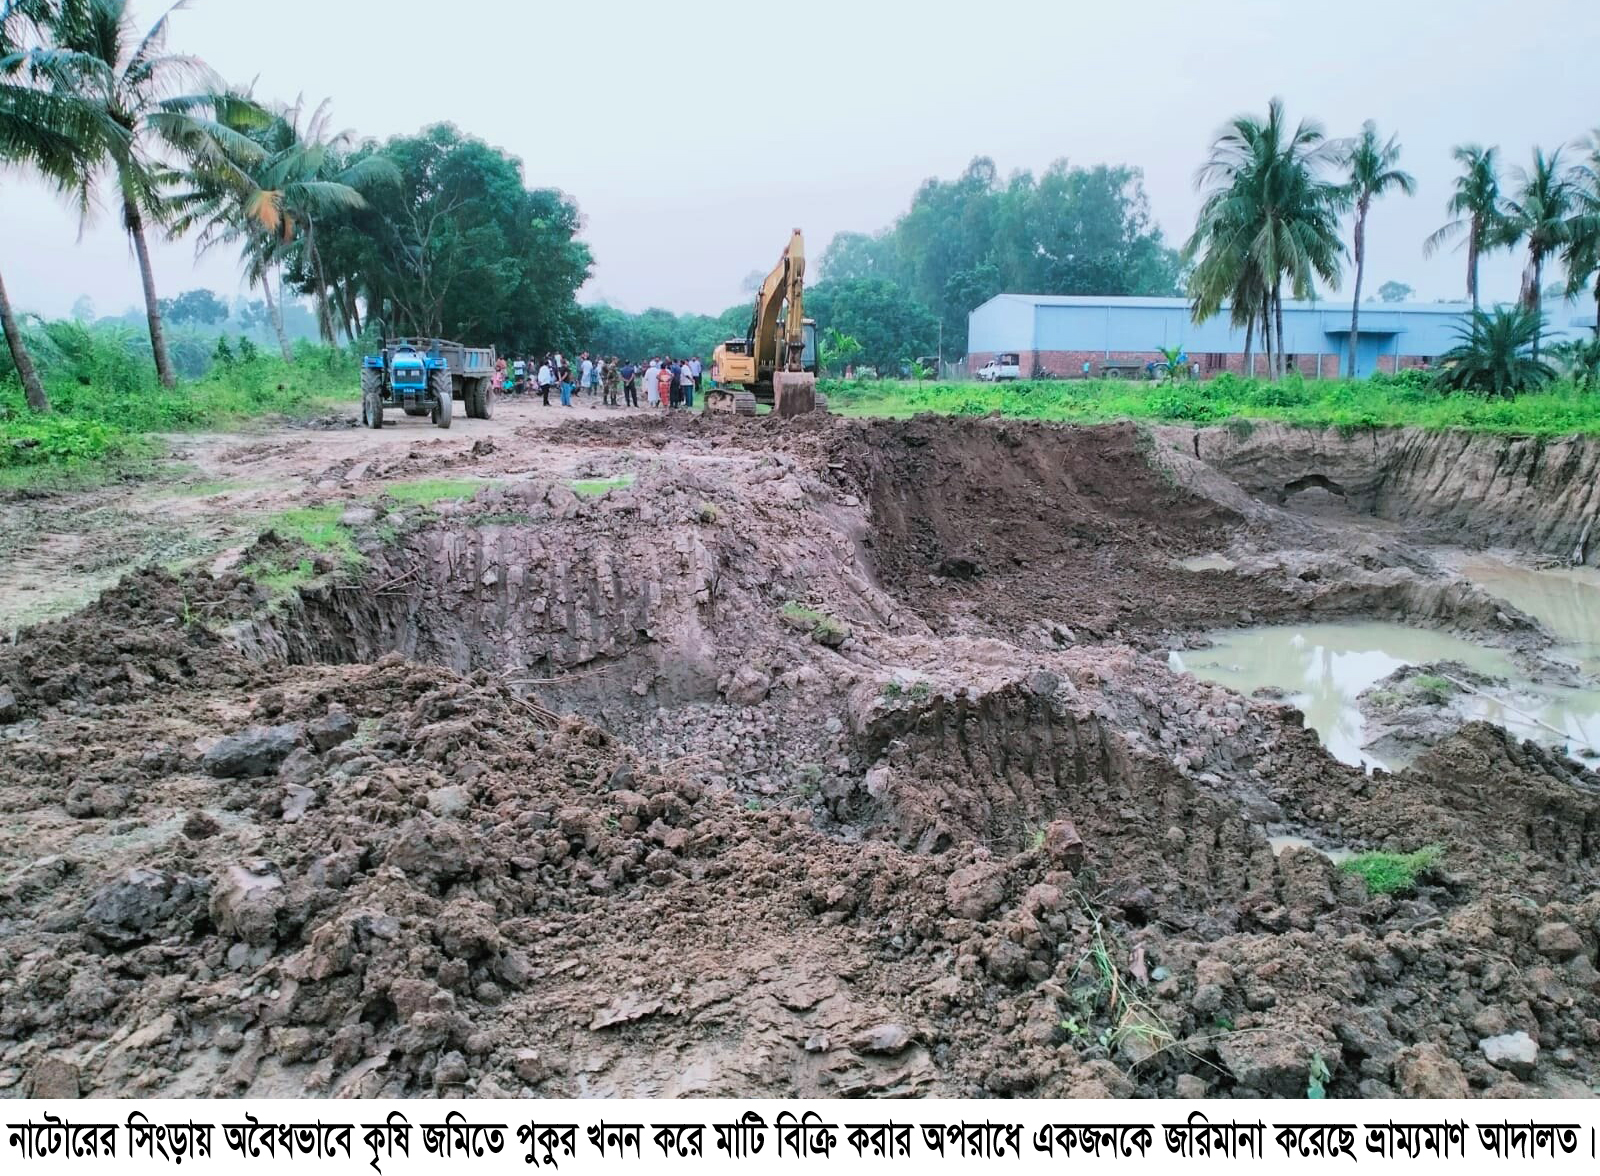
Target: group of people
x=660, y=382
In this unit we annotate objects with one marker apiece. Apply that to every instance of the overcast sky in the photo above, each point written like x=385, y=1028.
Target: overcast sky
x=695, y=135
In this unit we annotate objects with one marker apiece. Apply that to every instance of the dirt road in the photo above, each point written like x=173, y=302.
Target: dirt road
x=738, y=757
x=220, y=489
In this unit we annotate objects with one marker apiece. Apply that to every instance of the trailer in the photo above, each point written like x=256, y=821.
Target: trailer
x=424, y=377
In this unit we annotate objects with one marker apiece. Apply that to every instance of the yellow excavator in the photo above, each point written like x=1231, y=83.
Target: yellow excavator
x=776, y=361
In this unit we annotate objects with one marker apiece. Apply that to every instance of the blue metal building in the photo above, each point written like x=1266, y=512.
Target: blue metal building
x=1060, y=334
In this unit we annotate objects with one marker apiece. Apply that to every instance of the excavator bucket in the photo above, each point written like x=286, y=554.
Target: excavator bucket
x=793, y=393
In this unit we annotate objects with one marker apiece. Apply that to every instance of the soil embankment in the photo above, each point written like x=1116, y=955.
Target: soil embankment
x=1535, y=494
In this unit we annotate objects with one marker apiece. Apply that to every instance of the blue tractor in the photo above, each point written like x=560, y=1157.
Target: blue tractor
x=424, y=377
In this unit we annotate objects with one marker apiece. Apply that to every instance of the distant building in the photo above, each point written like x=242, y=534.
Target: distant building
x=1059, y=334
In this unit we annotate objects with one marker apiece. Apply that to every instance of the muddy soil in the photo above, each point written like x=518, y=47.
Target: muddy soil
x=822, y=758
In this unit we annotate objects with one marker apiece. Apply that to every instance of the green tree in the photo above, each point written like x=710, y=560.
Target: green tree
x=1372, y=171
x=1537, y=213
x=859, y=255
x=165, y=109
x=838, y=350
x=195, y=306
x=44, y=128
x=1581, y=252
x=1082, y=231
x=891, y=327
x=1496, y=354
x=268, y=200
x=1269, y=216
x=1581, y=360
x=458, y=247
x=1394, y=292
x=1475, y=210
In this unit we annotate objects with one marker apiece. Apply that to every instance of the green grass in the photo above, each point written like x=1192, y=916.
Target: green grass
x=1432, y=688
x=306, y=532
x=1231, y=400
x=594, y=487
x=427, y=491
x=316, y=527
x=825, y=629
x=1392, y=873
x=280, y=577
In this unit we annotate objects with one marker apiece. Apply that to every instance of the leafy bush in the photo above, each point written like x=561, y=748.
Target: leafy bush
x=1181, y=404
x=104, y=393
x=1580, y=358
x=1412, y=379
x=56, y=440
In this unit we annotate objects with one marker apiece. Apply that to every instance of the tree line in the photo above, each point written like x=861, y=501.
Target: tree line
x=904, y=293
x=1275, y=199
x=429, y=234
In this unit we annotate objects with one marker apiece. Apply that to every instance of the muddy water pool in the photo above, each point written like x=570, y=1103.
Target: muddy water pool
x=1567, y=600
x=1322, y=668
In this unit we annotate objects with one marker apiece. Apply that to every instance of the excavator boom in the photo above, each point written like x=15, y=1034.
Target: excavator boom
x=770, y=361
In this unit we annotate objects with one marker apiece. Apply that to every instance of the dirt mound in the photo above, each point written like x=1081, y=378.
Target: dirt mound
x=816, y=826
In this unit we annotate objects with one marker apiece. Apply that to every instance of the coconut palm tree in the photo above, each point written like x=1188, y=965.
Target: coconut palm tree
x=1581, y=252
x=1269, y=216
x=1475, y=210
x=1372, y=172
x=45, y=130
x=166, y=107
x=1538, y=212
x=268, y=203
x=317, y=181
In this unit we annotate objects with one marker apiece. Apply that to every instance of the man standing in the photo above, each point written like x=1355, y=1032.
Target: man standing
x=585, y=373
x=652, y=383
x=629, y=389
x=695, y=363
x=546, y=378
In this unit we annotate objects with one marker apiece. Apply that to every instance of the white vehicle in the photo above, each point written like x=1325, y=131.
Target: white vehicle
x=1005, y=366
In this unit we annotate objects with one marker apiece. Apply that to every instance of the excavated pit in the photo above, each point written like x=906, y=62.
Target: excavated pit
x=872, y=745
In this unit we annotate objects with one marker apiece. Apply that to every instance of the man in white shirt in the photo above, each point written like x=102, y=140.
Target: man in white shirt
x=585, y=373
x=652, y=397
x=546, y=378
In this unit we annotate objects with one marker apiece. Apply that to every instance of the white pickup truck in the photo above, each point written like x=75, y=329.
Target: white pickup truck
x=1006, y=366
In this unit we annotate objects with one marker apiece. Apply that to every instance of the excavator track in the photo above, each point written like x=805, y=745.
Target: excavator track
x=734, y=400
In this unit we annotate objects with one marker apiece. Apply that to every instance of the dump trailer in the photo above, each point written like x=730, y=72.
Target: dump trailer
x=425, y=377
x=775, y=363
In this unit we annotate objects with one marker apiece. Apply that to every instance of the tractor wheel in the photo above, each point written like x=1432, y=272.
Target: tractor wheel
x=485, y=399
x=469, y=398
x=443, y=401
x=372, y=398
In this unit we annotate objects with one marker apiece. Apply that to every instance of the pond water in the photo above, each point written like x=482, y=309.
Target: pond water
x=1323, y=667
x=1334, y=853
x=1565, y=599
x=1215, y=562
